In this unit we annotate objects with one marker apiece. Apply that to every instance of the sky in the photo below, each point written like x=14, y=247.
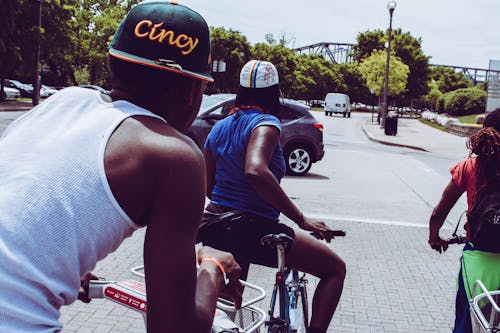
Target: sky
x=464, y=33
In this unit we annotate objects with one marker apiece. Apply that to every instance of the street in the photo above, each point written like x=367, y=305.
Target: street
x=359, y=180
x=382, y=196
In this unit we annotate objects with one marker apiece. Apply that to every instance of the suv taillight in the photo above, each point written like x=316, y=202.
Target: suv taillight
x=318, y=126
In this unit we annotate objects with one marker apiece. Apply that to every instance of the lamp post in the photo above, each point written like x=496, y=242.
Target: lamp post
x=391, y=6
x=36, y=81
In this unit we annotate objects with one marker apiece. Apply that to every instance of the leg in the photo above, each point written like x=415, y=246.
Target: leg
x=327, y=266
x=463, y=322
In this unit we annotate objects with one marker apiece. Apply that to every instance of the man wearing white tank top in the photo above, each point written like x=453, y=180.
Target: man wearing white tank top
x=83, y=170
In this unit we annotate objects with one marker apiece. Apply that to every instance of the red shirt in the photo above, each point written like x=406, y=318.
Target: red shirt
x=464, y=176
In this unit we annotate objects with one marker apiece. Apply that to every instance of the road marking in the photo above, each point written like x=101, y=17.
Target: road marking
x=370, y=221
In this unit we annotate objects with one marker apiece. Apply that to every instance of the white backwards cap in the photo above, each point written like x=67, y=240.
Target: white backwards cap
x=258, y=74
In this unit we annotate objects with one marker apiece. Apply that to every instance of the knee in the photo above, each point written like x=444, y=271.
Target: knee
x=335, y=267
x=340, y=269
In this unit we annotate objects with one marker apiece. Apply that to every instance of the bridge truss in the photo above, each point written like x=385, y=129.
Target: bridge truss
x=341, y=53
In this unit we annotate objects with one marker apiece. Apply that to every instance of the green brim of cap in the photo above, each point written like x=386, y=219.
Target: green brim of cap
x=147, y=62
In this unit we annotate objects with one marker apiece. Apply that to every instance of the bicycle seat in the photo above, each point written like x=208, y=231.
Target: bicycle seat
x=275, y=239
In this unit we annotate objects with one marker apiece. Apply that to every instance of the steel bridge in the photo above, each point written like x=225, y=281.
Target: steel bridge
x=341, y=53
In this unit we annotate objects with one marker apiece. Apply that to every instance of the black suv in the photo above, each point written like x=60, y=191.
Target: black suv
x=301, y=137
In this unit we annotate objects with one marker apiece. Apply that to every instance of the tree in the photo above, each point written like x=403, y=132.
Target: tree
x=447, y=79
x=409, y=51
x=430, y=99
x=366, y=43
x=356, y=88
x=97, y=22
x=314, y=77
x=10, y=34
x=233, y=48
x=372, y=69
x=284, y=60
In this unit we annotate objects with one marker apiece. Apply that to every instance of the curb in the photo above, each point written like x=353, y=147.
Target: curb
x=373, y=138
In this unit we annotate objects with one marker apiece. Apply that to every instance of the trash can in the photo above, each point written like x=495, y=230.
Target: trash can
x=391, y=123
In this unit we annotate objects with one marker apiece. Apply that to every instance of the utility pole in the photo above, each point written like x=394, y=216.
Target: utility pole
x=391, y=6
x=36, y=81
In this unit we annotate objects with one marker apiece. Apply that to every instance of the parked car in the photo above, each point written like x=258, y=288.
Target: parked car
x=91, y=86
x=26, y=90
x=301, y=137
x=9, y=92
x=46, y=91
x=210, y=100
x=316, y=103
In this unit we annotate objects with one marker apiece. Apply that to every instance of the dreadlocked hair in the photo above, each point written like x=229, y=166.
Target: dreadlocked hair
x=485, y=145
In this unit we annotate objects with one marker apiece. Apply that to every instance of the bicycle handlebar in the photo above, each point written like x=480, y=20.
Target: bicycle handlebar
x=457, y=239
x=331, y=233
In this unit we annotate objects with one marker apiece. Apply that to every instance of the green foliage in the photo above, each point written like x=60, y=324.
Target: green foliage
x=409, y=51
x=430, y=99
x=464, y=101
x=372, y=69
x=284, y=60
x=447, y=79
x=315, y=77
x=367, y=42
x=233, y=48
x=356, y=88
x=97, y=20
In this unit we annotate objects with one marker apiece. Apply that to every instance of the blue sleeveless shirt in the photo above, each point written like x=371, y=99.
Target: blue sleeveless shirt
x=227, y=142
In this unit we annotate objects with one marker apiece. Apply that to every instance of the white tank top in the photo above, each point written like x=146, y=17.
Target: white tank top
x=58, y=217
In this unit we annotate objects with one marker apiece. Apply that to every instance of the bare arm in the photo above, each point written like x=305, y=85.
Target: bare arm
x=163, y=186
x=448, y=199
x=169, y=249
x=261, y=146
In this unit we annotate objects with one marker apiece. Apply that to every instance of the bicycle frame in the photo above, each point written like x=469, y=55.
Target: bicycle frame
x=280, y=288
x=288, y=294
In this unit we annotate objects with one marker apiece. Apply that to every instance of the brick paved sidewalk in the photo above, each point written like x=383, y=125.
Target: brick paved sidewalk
x=395, y=283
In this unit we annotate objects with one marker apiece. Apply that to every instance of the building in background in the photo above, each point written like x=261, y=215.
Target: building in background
x=493, y=98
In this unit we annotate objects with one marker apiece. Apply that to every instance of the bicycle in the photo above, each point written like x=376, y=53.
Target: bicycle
x=132, y=295
x=290, y=288
x=483, y=305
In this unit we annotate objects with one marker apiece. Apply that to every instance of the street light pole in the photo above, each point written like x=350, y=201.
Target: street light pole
x=391, y=6
x=36, y=81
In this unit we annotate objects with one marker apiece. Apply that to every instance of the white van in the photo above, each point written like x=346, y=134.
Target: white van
x=337, y=103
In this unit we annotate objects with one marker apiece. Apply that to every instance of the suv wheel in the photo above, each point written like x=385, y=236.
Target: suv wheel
x=298, y=160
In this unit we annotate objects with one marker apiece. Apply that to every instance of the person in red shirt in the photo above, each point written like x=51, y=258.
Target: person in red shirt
x=470, y=175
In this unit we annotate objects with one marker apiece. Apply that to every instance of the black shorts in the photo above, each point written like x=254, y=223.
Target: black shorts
x=241, y=236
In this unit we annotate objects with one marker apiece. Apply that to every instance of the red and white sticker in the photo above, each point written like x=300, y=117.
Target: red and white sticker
x=120, y=296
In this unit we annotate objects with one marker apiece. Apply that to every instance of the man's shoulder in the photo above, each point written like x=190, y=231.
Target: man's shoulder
x=162, y=143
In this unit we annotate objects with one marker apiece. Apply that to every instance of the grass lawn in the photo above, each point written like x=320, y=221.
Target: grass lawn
x=432, y=124
x=470, y=119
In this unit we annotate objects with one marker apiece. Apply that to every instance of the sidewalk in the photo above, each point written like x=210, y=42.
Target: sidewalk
x=413, y=134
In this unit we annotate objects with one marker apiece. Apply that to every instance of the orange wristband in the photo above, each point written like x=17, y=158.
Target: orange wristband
x=226, y=280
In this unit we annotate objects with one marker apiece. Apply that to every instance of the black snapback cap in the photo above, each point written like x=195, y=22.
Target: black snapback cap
x=167, y=36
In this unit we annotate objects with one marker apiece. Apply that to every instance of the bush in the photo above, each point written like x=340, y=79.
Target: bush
x=442, y=103
x=461, y=102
